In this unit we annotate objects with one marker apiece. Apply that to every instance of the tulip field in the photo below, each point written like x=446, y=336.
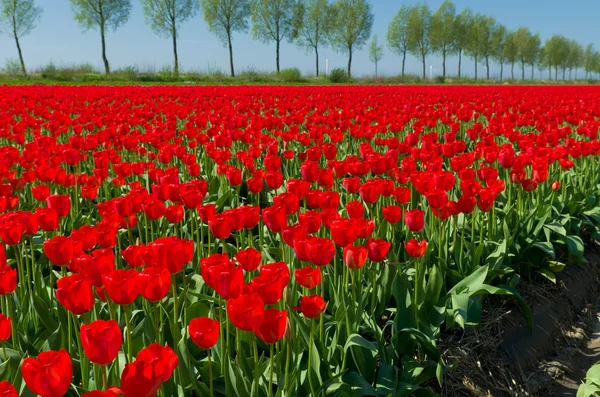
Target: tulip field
x=277, y=241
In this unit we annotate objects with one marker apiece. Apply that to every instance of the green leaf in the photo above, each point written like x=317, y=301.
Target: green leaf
x=44, y=312
x=364, y=354
x=547, y=273
x=546, y=247
x=360, y=386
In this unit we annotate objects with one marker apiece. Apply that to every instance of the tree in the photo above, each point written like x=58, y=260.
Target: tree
x=554, y=51
x=397, y=37
x=314, y=22
x=497, y=47
x=375, y=52
x=419, y=21
x=462, y=33
x=478, y=38
x=522, y=39
x=352, y=27
x=511, y=52
x=588, y=63
x=103, y=15
x=441, y=31
x=165, y=16
x=533, y=51
x=17, y=19
x=487, y=28
x=273, y=20
x=575, y=57
x=224, y=17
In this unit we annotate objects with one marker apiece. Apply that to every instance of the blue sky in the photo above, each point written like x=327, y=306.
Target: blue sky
x=59, y=39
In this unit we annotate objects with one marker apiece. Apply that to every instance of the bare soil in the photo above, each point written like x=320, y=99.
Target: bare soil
x=503, y=358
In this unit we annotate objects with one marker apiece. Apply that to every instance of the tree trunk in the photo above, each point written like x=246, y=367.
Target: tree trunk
x=487, y=65
x=104, y=58
x=375, y=69
x=570, y=73
x=459, y=61
x=444, y=63
x=556, y=73
x=532, y=71
x=564, y=73
x=20, y=55
x=423, y=58
x=501, y=69
x=176, y=68
x=277, y=55
x=575, y=74
x=475, y=67
x=512, y=71
x=230, y=54
x=549, y=72
x=403, y=62
x=317, y=59
x=522, y=70
x=349, y=61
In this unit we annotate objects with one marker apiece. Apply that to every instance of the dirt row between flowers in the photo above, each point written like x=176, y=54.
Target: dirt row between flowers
x=501, y=357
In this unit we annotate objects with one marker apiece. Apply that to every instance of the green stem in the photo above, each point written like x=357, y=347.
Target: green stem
x=310, y=349
x=271, y=370
x=210, y=375
x=129, y=343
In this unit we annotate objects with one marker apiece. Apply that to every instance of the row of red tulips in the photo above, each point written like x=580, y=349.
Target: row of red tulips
x=276, y=241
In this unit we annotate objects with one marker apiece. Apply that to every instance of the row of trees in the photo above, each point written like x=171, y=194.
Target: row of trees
x=344, y=25
x=418, y=31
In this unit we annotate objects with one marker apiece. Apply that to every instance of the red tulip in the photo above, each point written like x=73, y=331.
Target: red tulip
x=415, y=220
x=11, y=233
x=122, y=286
x=343, y=232
x=8, y=280
x=75, y=294
x=48, y=219
x=59, y=250
x=5, y=328
x=402, y=195
x=139, y=380
x=220, y=226
x=378, y=249
x=8, y=390
x=311, y=306
x=101, y=341
x=174, y=213
x=275, y=218
x=133, y=255
x=355, y=210
x=204, y=332
x=415, y=248
x=155, y=282
x=273, y=326
x=355, y=256
x=320, y=250
x=61, y=204
x=50, y=374
x=392, y=213
x=227, y=280
x=249, y=259
x=246, y=312
x=555, y=185
x=162, y=359
x=529, y=185
x=308, y=277
x=40, y=192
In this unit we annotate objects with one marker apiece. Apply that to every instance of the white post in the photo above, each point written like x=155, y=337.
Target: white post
x=326, y=67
